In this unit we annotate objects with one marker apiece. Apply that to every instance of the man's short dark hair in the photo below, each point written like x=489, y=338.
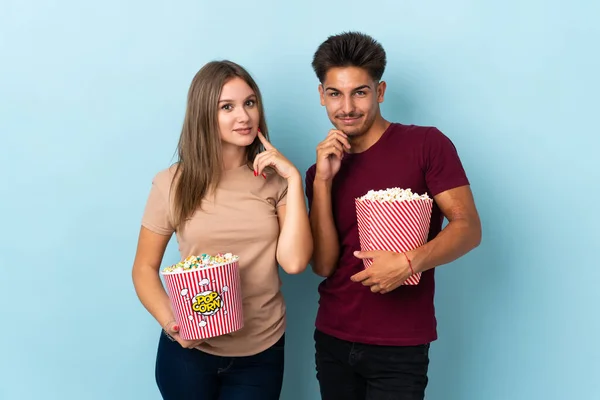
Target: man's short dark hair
x=350, y=49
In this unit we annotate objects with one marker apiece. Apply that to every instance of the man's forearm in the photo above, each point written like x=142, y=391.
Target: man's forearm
x=455, y=240
x=326, y=246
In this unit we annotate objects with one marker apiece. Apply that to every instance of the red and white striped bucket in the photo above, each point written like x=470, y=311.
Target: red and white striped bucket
x=398, y=226
x=207, y=302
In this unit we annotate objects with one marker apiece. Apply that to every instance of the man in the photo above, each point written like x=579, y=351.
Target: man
x=372, y=333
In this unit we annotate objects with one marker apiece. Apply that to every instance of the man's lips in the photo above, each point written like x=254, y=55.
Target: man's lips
x=348, y=120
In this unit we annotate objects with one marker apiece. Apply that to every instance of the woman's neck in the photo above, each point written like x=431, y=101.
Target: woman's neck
x=234, y=157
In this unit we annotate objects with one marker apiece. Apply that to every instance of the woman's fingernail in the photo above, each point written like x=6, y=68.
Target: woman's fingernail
x=255, y=173
x=175, y=327
x=264, y=176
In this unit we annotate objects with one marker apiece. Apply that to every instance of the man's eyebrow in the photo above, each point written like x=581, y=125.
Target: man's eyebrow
x=231, y=101
x=354, y=90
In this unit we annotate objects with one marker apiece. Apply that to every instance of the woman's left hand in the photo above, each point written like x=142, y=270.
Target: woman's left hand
x=271, y=157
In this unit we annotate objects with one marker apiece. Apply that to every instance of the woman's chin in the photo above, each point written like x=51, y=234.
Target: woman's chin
x=246, y=140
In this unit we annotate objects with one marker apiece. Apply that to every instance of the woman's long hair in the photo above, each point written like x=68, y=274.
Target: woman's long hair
x=200, y=163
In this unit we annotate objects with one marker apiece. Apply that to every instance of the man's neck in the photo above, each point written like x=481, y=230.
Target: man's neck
x=369, y=138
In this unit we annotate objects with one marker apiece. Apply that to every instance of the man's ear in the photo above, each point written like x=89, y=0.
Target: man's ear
x=322, y=94
x=381, y=91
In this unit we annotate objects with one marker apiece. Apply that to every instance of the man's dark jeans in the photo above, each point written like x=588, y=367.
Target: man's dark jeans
x=355, y=371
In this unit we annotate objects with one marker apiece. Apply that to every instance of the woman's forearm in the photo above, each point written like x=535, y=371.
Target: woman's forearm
x=151, y=293
x=295, y=245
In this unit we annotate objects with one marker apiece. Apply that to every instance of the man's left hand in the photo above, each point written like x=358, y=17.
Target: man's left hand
x=388, y=271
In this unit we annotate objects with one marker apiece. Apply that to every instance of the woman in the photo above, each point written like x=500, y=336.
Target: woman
x=225, y=195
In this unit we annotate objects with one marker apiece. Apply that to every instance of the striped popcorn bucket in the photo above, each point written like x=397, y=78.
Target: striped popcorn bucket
x=207, y=302
x=398, y=226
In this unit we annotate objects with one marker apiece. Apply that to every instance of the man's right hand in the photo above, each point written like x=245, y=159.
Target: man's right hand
x=172, y=330
x=330, y=153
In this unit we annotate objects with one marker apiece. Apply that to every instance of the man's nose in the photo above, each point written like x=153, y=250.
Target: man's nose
x=348, y=106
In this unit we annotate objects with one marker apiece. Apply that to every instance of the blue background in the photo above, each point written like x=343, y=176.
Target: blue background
x=92, y=97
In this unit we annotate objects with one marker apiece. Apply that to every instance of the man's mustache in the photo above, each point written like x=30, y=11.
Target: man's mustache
x=351, y=115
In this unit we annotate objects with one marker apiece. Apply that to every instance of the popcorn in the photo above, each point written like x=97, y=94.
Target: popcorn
x=201, y=261
x=393, y=194
x=205, y=292
x=393, y=219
